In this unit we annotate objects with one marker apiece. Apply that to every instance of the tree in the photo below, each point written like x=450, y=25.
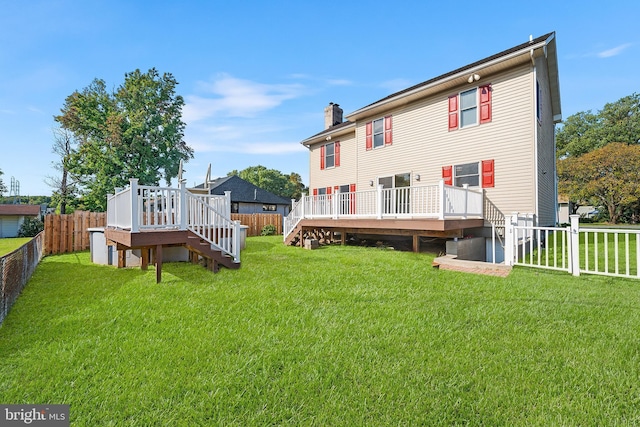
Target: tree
x=135, y=132
x=3, y=188
x=585, y=131
x=66, y=186
x=606, y=177
x=272, y=180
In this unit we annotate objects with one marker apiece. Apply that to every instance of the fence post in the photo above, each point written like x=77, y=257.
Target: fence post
x=303, y=202
x=466, y=200
x=574, y=247
x=509, y=240
x=380, y=202
x=334, y=204
x=135, y=226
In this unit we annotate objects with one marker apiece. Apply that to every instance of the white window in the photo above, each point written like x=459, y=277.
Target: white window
x=378, y=133
x=468, y=108
x=467, y=173
x=329, y=156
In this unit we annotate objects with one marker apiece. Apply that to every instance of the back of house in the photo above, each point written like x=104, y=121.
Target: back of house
x=487, y=126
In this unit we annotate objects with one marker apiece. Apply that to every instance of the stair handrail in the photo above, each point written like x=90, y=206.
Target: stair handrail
x=290, y=222
x=213, y=226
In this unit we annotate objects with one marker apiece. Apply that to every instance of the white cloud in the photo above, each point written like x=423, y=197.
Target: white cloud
x=339, y=82
x=274, y=148
x=233, y=97
x=613, y=52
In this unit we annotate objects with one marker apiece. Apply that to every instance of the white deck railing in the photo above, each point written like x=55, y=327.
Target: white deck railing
x=438, y=201
x=146, y=207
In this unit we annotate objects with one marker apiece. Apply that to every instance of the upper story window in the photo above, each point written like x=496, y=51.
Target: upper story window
x=379, y=133
x=470, y=107
x=330, y=155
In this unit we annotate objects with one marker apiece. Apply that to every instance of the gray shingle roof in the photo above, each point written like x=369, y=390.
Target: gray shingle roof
x=245, y=192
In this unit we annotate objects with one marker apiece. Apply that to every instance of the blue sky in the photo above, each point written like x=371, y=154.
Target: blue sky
x=256, y=75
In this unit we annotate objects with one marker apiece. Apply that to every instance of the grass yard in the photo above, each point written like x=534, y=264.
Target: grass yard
x=8, y=245
x=338, y=336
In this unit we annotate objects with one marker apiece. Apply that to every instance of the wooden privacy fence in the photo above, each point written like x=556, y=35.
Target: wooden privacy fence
x=257, y=221
x=69, y=233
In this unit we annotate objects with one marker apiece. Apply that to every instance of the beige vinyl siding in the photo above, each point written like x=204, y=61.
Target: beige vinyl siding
x=344, y=174
x=422, y=143
x=547, y=199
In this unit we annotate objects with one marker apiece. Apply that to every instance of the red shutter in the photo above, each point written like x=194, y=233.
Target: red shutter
x=369, y=132
x=322, y=157
x=315, y=191
x=388, y=136
x=447, y=175
x=336, y=152
x=453, y=112
x=488, y=174
x=352, y=199
x=328, y=190
x=485, y=104
x=336, y=188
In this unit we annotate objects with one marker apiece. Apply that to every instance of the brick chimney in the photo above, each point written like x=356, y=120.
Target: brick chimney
x=332, y=115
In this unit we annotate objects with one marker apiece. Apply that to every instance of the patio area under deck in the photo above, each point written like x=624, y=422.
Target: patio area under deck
x=414, y=228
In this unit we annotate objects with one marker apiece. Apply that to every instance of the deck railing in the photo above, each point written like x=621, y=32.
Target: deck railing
x=438, y=201
x=146, y=207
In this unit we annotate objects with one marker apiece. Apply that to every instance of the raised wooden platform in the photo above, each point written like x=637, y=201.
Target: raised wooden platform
x=151, y=243
x=386, y=227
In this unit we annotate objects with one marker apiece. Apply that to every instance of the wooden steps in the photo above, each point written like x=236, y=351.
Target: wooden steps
x=212, y=258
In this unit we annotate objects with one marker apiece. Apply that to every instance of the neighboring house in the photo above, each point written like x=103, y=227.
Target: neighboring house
x=12, y=217
x=488, y=125
x=247, y=198
x=565, y=208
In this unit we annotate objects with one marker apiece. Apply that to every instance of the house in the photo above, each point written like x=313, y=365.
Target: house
x=448, y=157
x=246, y=198
x=12, y=217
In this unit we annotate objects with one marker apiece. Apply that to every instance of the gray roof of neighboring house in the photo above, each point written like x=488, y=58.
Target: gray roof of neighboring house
x=244, y=192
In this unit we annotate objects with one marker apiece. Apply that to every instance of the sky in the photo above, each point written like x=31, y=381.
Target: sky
x=256, y=75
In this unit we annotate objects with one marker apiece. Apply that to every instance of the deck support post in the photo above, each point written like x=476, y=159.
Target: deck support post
x=144, y=264
x=416, y=243
x=158, y=263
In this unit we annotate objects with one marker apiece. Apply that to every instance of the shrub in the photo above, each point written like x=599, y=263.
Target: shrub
x=30, y=227
x=268, y=230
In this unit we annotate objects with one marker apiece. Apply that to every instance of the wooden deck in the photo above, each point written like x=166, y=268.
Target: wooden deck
x=415, y=228
x=151, y=242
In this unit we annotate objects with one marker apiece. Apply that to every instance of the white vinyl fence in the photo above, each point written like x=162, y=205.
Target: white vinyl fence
x=604, y=251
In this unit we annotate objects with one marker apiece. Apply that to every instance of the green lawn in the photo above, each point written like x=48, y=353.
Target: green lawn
x=343, y=336
x=9, y=245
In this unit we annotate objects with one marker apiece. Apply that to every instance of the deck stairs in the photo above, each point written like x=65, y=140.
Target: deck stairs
x=211, y=258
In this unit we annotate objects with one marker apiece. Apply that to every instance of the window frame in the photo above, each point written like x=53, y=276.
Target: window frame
x=328, y=156
x=477, y=174
x=474, y=107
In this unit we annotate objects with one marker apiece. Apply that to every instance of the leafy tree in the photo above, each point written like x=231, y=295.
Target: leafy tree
x=66, y=185
x=3, y=188
x=606, y=177
x=586, y=131
x=135, y=132
x=272, y=180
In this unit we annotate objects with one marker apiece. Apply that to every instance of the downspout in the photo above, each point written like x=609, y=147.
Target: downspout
x=535, y=142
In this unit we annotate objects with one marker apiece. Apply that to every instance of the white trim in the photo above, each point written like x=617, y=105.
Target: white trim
x=463, y=73
x=535, y=146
